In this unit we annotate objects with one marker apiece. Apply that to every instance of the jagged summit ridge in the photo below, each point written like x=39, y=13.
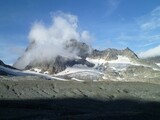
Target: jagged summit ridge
x=112, y=54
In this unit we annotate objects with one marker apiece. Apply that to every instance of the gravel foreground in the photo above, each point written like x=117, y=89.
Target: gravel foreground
x=33, y=98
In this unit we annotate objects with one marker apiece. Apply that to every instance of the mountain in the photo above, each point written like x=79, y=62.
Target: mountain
x=155, y=59
x=7, y=70
x=108, y=65
x=58, y=63
x=4, y=65
x=4, y=68
x=112, y=54
x=123, y=65
x=93, y=64
x=82, y=50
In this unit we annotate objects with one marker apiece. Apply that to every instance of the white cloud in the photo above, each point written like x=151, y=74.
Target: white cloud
x=49, y=42
x=151, y=21
x=112, y=5
x=86, y=37
x=125, y=37
x=150, y=53
x=146, y=32
x=148, y=44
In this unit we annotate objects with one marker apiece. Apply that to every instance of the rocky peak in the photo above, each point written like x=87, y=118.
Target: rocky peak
x=81, y=48
x=112, y=54
x=129, y=53
x=108, y=54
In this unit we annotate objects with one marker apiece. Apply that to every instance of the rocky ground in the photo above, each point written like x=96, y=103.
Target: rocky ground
x=30, y=98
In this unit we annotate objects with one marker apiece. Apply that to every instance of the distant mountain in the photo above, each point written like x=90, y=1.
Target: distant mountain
x=155, y=59
x=7, y=70
x=3, y=64
x=112, y=54
x=3, y=68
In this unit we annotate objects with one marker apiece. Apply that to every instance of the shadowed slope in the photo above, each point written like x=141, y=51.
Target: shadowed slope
x=80, y=108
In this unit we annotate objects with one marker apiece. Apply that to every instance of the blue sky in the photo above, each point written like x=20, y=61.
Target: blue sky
x=113, y=23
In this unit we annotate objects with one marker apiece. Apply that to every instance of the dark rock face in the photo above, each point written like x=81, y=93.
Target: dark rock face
x=108, y=54
x=2, y=72
x=59, y=64
x=83, y=50
x=129, y=53
x=1, y=63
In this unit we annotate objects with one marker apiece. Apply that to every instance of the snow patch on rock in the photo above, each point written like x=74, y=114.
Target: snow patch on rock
x=158, y=64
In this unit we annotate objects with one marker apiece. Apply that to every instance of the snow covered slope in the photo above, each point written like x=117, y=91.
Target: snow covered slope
x=14, y=72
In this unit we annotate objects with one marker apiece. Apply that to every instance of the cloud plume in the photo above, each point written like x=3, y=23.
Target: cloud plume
x=47, y=42
x=151, y=21
x=150, y=53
